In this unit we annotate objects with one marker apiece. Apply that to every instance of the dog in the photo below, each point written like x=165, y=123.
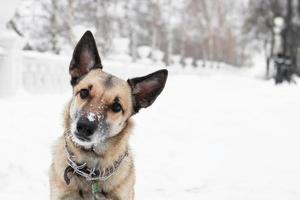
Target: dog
x=92, y=159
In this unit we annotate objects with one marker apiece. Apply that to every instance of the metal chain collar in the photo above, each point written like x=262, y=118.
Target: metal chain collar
x=91, y=174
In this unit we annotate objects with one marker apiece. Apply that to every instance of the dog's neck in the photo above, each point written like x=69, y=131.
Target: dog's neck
x=102, y=155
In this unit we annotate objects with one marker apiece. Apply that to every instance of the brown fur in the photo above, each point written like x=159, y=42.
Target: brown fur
x=119, y=186
x=97, y=125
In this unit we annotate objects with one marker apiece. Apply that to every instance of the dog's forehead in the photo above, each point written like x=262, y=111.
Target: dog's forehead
x=103, y=81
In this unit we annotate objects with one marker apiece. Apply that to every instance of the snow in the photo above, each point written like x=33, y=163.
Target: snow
x=6, y=12
x=91, y=117
x=212, y=137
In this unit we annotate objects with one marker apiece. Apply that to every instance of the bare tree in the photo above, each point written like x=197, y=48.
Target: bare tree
x=191, y=28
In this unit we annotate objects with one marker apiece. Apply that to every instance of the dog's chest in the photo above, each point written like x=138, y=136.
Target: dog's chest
x=90, y=189
x=92, y=162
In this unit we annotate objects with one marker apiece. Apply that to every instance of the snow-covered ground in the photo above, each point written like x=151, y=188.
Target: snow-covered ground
x=219, y=137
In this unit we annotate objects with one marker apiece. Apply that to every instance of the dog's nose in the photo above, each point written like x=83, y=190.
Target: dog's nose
x=85, y=128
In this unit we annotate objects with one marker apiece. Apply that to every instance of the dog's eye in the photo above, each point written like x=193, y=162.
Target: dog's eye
x=116, y=107
x=84, y=93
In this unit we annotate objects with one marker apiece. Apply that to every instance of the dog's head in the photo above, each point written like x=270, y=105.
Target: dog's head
x=102, y=103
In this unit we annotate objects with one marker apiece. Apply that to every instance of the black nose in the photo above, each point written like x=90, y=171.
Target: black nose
x=85, y=128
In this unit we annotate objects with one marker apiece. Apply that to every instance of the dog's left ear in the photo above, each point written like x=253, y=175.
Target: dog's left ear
x=147, y=88
x=85, y=57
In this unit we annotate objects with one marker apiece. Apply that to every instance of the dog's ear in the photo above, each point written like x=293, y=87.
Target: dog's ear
x=85, y=57
x=147, y=88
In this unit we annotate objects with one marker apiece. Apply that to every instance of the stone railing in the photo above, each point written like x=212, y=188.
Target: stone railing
x=44, y=73
x=9, y=45
x=40, y=73
x=47, y=73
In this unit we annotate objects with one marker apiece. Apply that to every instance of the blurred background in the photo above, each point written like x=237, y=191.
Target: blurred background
x=226, y=125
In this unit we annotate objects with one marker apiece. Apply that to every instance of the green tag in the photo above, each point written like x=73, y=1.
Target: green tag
x=95, y=188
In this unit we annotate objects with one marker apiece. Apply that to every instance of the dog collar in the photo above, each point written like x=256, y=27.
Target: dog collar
x=90, y=174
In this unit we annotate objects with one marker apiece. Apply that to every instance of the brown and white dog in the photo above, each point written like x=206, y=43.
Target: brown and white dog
x=92, y=159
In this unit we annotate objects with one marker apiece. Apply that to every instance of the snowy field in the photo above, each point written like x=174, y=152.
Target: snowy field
x=219, y=137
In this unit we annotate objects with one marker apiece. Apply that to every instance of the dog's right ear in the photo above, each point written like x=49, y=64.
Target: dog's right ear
x=85, y=57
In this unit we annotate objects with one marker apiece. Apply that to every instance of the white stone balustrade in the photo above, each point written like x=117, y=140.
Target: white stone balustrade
x=120, y=49
x=44, y=73
x=10, y=45
x=176, y=60
x=188, y=62
x=158, y=56
x=144, y=53
x=200, y=64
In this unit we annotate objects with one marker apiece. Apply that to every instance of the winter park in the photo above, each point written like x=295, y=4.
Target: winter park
x=225, y=125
